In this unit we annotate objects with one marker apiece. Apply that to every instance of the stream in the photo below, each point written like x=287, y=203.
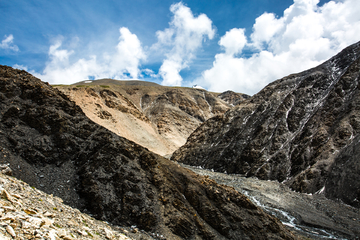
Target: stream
x=309, y=215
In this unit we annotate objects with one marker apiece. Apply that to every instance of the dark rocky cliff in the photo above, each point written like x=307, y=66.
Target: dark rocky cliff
x=49, y=142
x=301, y=130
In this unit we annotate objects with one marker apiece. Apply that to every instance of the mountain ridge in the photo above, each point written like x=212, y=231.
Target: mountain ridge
x=157, y=117
x=48, y=142
x=291, y=131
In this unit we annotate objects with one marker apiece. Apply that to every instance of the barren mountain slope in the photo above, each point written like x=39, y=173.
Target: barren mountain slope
x=49, y=143
x=27, y=213
x=299, y=130
x=156, y=117
x=233, y=98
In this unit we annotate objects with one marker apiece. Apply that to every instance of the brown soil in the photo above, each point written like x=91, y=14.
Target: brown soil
x=156, y=117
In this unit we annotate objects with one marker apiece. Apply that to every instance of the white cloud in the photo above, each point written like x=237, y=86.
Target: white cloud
x=20, y=67
x=233, y=41
x=303, y=37
x=129, y=53
x=122, y=63
x=8, y=43
x=149, y=72
x=181, y=41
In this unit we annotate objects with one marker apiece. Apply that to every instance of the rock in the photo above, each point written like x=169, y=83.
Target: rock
x=11, y=231
x=37, y=222
x=298, y=130
x=5, y=169
x=2, y=236
x=108, y=234
x=233, y=98
x=20, y=225
x=5, y=195
x=112, y=178
x=30, y=211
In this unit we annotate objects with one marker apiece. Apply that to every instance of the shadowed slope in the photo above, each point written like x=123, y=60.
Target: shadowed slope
x=49, y=142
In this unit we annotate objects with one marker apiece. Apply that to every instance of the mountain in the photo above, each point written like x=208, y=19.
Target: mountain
x=156, y=117
x=233, y=98
x=302, y=130
x=48, y=142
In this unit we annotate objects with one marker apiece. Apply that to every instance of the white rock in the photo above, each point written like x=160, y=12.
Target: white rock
x=61, y=233
x=108, y=233
x=37, y=222
x=11, y=231
x=48, y=214
x=47, y=222
x=51, y=234
x=3, y=237
x=81, y=232
x=8, y=217
x=16, y=195
x=4, y=194
x=25, y=224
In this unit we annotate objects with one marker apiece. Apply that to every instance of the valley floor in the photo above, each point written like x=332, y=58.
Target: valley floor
x=312, y=216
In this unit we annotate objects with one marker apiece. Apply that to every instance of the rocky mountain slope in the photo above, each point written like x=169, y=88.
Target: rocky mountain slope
x=156, y=117
x=48, y=142
x=27, y=213
x=302, y=130
x=233, y=98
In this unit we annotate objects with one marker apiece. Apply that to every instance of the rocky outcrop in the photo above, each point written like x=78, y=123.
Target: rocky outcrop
x=233, y=98
x=299, y=130
x=49, y=143
x=156, y=117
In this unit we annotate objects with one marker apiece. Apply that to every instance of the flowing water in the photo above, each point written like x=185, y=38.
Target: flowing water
x=312, y=216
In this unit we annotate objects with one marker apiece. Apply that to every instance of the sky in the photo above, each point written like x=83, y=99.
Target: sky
x=220, y=45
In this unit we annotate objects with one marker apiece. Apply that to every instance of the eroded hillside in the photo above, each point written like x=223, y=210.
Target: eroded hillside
x=156, y=117
x=302, y=130
x=49, y=143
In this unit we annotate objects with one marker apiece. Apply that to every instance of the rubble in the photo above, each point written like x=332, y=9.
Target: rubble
x=27, y=213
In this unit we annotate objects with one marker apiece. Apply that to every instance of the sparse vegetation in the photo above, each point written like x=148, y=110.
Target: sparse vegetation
x=57, y=225
x=89, y=233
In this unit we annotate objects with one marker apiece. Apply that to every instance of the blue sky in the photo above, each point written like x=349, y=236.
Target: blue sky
x=221, y=45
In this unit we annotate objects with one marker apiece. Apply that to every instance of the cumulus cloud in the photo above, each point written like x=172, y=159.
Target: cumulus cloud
x=233, y=41
x=8, y=43
x=303, y=37
x=181, y=41
x=65, y=67
x=129, y=53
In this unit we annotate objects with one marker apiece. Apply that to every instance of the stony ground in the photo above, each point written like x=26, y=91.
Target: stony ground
x=28, y=213
x=311, y=215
